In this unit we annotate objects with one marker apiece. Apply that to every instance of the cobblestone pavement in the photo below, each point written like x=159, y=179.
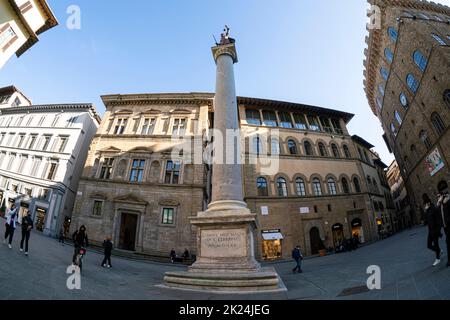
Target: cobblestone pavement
x=405, y=262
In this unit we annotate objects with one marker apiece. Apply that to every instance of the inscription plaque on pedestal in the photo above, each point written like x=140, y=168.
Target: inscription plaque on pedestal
x=224, y=243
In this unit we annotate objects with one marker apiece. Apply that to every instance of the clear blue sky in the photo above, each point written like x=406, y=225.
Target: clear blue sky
x=305, y=51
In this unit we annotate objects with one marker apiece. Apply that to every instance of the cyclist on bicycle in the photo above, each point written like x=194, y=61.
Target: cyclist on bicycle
x=80, y=240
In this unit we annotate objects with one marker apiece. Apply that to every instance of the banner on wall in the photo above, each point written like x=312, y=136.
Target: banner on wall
x=434, y=162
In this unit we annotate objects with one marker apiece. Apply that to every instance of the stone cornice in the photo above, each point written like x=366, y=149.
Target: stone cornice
x=228, y=49
x=158, y=99
x=374, y=51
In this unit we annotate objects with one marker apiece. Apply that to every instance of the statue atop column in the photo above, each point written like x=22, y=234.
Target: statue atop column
x=225, y=37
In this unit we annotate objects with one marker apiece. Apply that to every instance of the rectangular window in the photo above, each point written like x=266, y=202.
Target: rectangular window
x=107, y=168
x=30, y=119
x=172, y=175
x=28, y=192
x=326, y=124
x=337, y=126
x=121, y=126
x=285, y=120
x=270, y=119
x=149, y=126
x=7, y=35
x=32, y=142
x=137, y=171
x=168, y=216
x=23, y=160
x=41, y=121
x=313, y=123
x=179, y=127
x=12, y=158
x=55, y=121
x=253, y=117
x=21, y=139
x=46, y=142
x=97, y=208
x=35, y=166
x=62, y=144
x=71, y=122
x=52, y=171
x=300, y=122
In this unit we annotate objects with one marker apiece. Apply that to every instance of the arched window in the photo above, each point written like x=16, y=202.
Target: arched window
x=384, y=73
x=438, y=123
x=347, y=153
x=404, y=100
x=262, y=187
x=379, y=104
x=332, y=186
x=437, y=18
x=282, y=187
x=357, y=185
x=394, y=130
x=425, y=139
x=389, y=55
x=398, y=118
x=308, y=148
x=253, y=117
x=420, y=60
x=393, y=34
x=345, y=185
x=438, y=39
x=424, y=16
x=301, y=187
x=292, y=147
x=447, y=98
x=257, y=145
x=317, y=187
x=413, y=84
x=335, y=150
x=407, y=14
x=322, y=149
x=381, y=89
x=275, y=146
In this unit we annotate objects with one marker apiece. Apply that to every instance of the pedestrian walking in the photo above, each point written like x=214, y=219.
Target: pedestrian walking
x=27, y=226
x=11, y=224
x=108, y=247
x=61, y=236
x=444, y=209
x=298, y=257
x=173, y=255
x=186, y=254
x=434, y=222
x=80, y=240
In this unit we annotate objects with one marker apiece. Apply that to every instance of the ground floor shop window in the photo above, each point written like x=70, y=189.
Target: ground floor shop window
x=40, y=219
x=272, y=249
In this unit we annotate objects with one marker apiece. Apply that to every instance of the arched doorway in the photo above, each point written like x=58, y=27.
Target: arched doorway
x=357, y=229
x=338, y=234
x=314, y=237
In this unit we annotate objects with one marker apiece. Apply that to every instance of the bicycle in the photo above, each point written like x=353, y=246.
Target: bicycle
x=79, y=258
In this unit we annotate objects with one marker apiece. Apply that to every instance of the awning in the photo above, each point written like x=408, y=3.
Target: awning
x=272, y=236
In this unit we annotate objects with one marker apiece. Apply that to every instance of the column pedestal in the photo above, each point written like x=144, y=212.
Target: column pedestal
x=225, y=261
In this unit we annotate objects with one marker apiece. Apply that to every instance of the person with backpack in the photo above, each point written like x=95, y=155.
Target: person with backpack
x=434, y=222
x=80, y=240
x=27, y=226
x=11, y=224
x=298, y=257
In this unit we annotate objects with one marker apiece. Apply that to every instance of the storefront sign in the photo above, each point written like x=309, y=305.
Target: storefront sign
x=304, y=210
x=434, y=162
x=25, y=205
x=265, y=211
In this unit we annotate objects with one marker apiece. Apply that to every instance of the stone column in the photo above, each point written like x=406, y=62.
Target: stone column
x=227, y=193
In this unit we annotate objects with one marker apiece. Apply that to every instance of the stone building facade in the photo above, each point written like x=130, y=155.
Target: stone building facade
x=139, y=189
x=408, y=88
x=42, y=152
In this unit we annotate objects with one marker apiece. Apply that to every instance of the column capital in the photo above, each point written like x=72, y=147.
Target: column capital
x=229, y=49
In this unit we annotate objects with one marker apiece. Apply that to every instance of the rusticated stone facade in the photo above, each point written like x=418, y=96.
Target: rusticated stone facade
x=408, y=88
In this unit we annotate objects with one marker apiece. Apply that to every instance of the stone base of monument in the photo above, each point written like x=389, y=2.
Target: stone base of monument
x=225, y=256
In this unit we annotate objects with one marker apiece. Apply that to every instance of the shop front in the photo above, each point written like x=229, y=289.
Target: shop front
x=39, y=219
x=2, y=207
x=23, y=210
x=272, y=244
x=357, y=230
x=338, y=234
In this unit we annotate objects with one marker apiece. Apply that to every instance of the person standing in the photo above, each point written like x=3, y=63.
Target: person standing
x=434, y=222
x=61, y=236
x=27, y=225
x=11, y=223
x=444, y=210
x=173, y=255
x=80, y=240
x=108, y=247
x=298, y=257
